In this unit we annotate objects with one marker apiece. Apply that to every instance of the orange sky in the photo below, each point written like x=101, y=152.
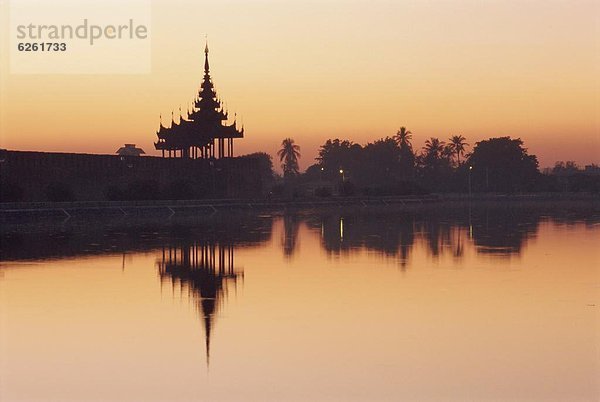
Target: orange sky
x=350, y=69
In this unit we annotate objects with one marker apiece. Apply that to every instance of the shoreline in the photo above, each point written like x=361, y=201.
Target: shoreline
x=51, y=213
x=312, y=201
x=307, y=201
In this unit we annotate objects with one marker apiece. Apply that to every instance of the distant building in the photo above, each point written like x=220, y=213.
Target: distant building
x=130, y=150
x=202, y=134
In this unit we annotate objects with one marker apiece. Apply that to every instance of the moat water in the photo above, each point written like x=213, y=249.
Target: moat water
x=367, y=305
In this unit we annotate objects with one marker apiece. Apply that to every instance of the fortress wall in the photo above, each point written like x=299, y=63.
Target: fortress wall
x=90, y=176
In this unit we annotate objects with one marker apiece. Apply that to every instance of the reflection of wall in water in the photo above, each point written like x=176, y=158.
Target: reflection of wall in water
x=206, y=269
x=83, y=237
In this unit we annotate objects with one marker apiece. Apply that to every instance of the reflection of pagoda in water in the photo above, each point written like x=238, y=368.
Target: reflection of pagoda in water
x=203, y=130
x=206, y=268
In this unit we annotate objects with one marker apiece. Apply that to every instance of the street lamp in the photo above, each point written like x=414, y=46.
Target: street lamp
x=470, y=168
x=342, y=173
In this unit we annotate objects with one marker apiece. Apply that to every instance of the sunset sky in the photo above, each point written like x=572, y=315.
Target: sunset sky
x=314, y=70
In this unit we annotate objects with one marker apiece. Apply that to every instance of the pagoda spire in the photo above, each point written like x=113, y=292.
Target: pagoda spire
x=207, y=329
x=206, y=67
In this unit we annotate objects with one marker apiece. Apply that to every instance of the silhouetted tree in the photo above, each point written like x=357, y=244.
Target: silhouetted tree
x=567, y=176
x=382, y=167
x=457, y=144
x=435, y=165
x=403, y=137
x=407, y=157
x=565, y=168
x=380, y=161
x=433, y=149
x=339, y=154
x=265, y=167
x=447, y=154
x=289, y=155
x=434, y=156
x=503, y=164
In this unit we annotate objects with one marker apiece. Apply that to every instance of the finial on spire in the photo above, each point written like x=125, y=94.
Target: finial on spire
x=206, y=67
x=207, y=329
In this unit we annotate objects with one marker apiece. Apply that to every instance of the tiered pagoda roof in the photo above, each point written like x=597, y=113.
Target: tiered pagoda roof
x=204, y=124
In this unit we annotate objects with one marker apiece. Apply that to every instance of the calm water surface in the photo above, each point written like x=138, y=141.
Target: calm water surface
x=487, y=304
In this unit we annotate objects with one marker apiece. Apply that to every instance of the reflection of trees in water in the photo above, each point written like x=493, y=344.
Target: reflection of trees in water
x=502, y=231
x=435, y=233
x=442, y=234
x=206, y=268
x=458, y=247
x=291, y=225
x=406, y=240
x=392, y=235
x=342, y=233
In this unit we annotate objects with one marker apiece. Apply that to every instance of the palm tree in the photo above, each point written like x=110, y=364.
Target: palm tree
x=289, y=155
x=433, y=148
x=433, y=151
x=447, y=153
x=403, y=138
x=458, y=144
x=407, y=158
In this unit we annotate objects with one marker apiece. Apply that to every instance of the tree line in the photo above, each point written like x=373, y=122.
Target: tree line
x=393, y=166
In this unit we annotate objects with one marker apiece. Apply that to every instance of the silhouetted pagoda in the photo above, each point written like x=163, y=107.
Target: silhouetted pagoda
x=203, y=130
